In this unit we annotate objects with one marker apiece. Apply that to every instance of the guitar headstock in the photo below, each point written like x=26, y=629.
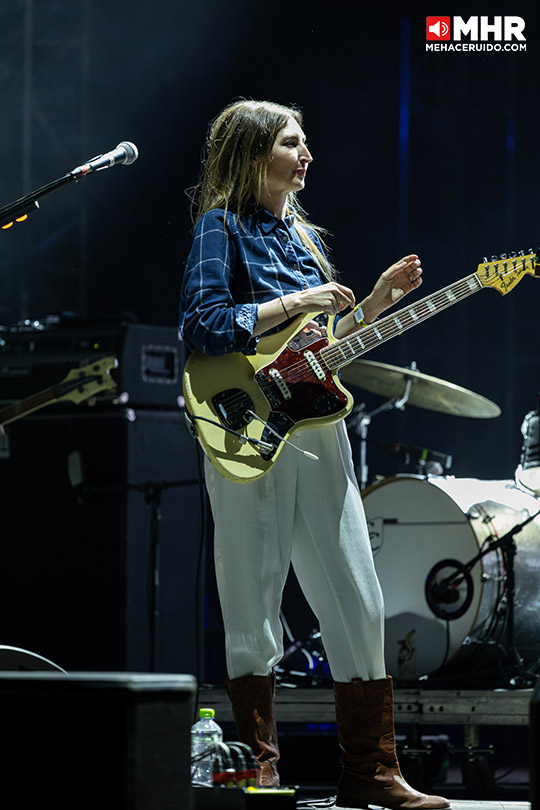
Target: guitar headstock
x=82, y=383
x=505, y=271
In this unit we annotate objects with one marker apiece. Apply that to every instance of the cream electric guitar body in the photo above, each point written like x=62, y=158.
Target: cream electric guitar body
x=243, y=407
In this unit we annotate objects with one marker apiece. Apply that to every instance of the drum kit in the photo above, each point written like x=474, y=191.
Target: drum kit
x=458, y=559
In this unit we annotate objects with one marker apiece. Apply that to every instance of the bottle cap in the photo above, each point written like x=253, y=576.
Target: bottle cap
x=206, y=712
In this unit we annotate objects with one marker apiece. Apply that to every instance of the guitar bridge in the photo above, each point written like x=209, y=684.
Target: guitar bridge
x=231, y=407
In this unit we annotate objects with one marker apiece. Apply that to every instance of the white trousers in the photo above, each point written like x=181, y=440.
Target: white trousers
x=308, y=513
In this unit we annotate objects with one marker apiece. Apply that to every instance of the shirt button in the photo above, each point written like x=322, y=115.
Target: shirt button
x=285, y=237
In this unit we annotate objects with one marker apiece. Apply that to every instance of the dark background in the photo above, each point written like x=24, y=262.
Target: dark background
x=414, y=152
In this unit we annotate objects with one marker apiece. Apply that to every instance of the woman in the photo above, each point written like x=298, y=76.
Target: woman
x=255, y=263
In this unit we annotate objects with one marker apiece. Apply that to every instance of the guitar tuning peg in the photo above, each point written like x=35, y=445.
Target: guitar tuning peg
x=485, y=260
x=504, y=256
x=521, y=253
x=494, y=258
x=513, y=254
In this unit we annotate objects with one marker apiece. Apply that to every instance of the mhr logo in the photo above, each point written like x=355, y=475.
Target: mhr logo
x=476, y=28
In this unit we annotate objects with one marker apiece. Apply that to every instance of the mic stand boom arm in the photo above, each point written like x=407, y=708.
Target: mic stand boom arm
x=507, y=545
x=29, y=203
x=126, y=152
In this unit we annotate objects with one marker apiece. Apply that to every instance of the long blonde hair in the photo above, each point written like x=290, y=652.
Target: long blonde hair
x=235, y=162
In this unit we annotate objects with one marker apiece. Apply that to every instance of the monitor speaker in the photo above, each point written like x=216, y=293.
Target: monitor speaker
x=89, y=740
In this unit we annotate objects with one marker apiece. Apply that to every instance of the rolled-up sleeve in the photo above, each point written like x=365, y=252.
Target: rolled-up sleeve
x=210, y=319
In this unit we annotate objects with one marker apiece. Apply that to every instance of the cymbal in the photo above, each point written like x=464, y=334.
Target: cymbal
x=425, y=392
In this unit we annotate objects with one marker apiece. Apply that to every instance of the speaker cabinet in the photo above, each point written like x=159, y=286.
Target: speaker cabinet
x=534, y=748
x=110, y=740
x=100, y=537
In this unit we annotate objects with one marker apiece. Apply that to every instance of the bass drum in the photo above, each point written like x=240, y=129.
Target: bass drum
x=442, y=616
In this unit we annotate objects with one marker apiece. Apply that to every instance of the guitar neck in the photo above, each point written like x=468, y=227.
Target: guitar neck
x=343, y=351
x=19, y=409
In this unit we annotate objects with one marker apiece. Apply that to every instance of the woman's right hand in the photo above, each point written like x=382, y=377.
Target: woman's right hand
x=331, y=298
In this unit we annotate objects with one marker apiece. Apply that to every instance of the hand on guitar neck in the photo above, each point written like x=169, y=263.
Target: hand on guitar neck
x=333, y=298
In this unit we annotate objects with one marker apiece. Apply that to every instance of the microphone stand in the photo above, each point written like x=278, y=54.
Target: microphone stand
x=25, y=205
x=125, y=152
x=153, y=491
x=512, y=663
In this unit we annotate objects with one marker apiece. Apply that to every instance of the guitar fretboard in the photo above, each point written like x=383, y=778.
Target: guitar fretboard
x=343, y=351
x=18, y=409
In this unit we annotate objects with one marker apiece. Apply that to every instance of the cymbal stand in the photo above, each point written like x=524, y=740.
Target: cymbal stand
x=363, y=420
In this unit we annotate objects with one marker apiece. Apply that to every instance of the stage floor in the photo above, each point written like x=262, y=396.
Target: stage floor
x=456, y=805
x=422, y=706
x=487, y=728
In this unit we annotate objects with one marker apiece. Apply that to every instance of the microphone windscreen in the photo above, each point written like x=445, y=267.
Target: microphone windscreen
x=132, y=152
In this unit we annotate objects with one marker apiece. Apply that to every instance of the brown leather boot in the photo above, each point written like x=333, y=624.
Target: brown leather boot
x=252, y=700
x=370, y=769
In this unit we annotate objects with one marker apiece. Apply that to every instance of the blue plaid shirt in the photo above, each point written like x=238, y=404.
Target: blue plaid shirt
x=232, y=268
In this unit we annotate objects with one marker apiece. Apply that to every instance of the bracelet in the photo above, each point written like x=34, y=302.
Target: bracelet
x=284, y=309
x=358, y=313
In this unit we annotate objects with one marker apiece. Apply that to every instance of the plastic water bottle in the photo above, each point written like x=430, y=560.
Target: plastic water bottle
x=205, y=733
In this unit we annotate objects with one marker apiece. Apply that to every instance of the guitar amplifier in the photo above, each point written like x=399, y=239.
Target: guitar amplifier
x=150, y=361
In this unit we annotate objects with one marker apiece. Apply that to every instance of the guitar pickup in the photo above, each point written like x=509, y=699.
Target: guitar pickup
x=280, y=382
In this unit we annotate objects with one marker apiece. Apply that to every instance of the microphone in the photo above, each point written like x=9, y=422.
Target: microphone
x=449, y=589
x=126, y=152
x=445, y=594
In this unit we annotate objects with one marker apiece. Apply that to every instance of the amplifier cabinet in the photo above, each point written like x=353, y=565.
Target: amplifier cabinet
x=100, y=539
x=150, y=361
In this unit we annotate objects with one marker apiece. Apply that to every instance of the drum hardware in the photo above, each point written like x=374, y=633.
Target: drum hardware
x=528, y=472
x=471, y=616
x=363, y=421
x=445, y=592
x=444, y=596
x=316, y=670
x=415, y=388
x=409, y=386
x=428, y=462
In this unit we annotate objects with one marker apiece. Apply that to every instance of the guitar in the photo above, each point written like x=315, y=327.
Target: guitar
x=79, y=384
x=242, y=408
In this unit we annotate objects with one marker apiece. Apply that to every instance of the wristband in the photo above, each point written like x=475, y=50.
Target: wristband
x=358, y=313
